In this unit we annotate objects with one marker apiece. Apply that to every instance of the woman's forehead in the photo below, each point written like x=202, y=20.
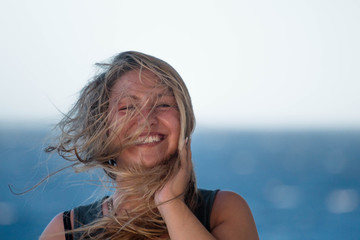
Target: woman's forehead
x=139, y=83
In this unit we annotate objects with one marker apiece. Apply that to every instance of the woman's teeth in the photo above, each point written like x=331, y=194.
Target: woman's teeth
x=148, y=139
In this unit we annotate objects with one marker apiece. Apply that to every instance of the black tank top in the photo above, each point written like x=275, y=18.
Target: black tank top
x=86, y=214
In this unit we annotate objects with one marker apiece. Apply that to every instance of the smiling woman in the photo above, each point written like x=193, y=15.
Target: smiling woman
x=134, y=121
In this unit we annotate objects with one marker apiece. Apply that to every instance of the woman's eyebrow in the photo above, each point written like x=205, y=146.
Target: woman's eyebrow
x=160, y=95
x=131, y=96
x=167, y=94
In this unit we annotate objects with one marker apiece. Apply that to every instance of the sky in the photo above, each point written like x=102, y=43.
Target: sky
x=248, y=64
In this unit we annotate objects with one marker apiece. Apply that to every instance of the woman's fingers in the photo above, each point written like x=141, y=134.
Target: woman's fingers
x=178, y=183
x=185, y=154
x=188, y=154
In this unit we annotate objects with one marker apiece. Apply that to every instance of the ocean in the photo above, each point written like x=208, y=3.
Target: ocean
x=298, y=184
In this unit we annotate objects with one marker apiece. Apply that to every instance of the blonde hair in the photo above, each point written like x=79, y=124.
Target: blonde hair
x=85, y=139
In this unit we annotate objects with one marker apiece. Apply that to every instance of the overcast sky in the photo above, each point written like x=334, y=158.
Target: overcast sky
x=256, y=64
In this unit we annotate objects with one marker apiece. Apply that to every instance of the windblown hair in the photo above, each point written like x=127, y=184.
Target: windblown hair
x=89, y=139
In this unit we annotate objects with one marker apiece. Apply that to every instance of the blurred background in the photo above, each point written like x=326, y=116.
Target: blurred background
x=274, y=86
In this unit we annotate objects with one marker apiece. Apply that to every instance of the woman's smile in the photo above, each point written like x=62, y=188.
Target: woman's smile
x=150, y=139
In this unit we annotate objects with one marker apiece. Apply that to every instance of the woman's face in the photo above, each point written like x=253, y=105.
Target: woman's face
x=153, y=109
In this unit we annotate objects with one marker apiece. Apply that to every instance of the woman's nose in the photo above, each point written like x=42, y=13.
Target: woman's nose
x=148, y=116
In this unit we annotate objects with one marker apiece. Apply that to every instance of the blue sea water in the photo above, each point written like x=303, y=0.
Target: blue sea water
x=298, y=184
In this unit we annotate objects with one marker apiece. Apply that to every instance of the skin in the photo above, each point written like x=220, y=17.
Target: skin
x=230, y=218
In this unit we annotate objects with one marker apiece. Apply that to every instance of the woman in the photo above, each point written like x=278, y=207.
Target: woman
x=135, y=120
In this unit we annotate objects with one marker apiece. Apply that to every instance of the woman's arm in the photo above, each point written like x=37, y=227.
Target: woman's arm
x=230, y=218
x=181, y=222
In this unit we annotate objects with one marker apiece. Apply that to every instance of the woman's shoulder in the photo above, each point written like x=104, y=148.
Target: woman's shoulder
x=83, y=214
x=228, y=201
x=55, y=229
x=225, y=198
x=231, y=214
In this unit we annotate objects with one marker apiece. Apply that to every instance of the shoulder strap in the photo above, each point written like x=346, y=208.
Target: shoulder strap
x=67, y=225
x=204, y=206
x=87, y=214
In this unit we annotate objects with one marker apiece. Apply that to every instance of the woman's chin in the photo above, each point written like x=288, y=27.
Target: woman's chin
x=146, y=160
x=152, y=162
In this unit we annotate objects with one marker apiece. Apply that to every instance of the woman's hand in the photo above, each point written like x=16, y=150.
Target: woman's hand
x=230, y=217
x=178, y=183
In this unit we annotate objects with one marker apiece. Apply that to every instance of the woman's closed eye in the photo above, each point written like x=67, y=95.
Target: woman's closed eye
x=126, y=108
x=163, y=105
